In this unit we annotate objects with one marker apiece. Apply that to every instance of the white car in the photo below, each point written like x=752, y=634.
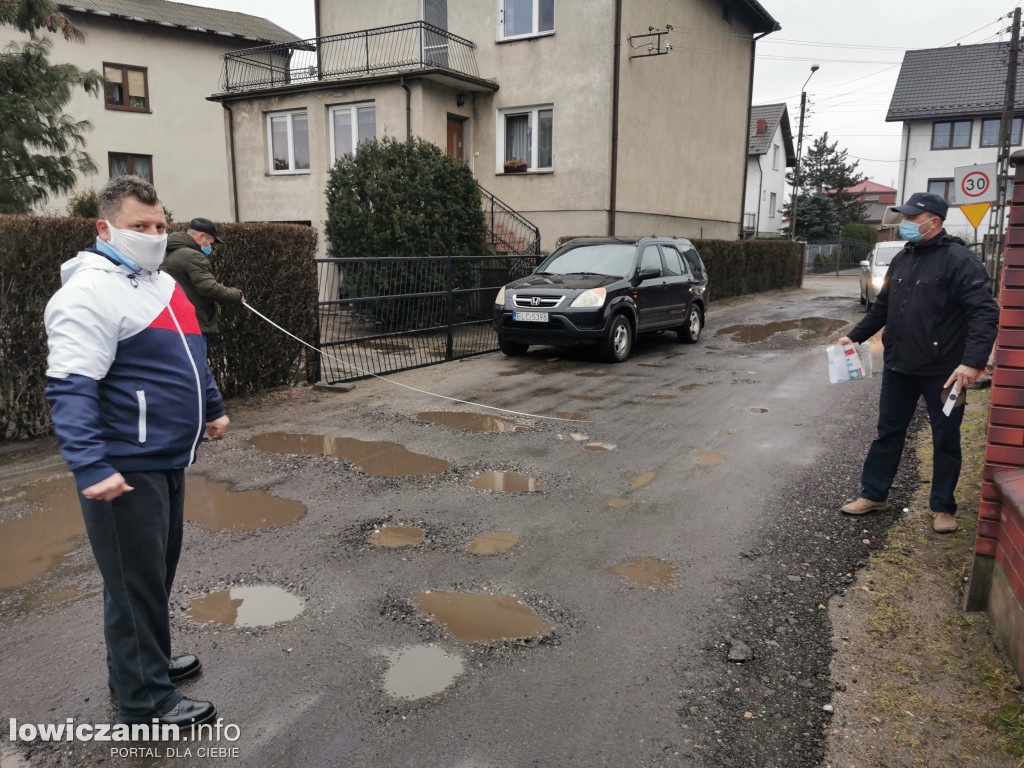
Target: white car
x=873, y=269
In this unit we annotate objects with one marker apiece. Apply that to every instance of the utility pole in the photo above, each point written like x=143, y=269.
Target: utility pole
x=794, y=196
x=996, y=221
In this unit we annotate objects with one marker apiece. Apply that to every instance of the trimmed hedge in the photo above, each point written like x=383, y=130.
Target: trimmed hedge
x=272, y=264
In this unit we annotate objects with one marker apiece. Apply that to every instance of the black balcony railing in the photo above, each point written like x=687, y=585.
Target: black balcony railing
x=400, y=47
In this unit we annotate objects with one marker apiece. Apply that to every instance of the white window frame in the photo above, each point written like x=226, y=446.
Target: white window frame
x=535, y=32
x=291, y=170
x=775, y=157
x=772, y=205
x=353, y=110
x=534, y=113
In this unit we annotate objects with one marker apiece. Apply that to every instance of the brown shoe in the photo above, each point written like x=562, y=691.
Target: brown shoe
x=863, y=506
x=944, y=523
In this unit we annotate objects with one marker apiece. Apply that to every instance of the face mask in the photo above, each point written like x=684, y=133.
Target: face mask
x=911, y=232
x=207, y=250
x=144, y=252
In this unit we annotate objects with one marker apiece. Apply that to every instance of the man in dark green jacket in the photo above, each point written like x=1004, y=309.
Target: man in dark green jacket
x=187, y=261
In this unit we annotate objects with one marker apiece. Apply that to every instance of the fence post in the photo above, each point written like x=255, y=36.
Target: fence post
x=366, y=39
x=450, y=301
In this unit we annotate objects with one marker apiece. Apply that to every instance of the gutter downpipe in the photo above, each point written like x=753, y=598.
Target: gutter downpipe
x=408, y=109
x=760, y=192
x=231, y=152
x=746, y=144
x=906, y=162
x=617, y=48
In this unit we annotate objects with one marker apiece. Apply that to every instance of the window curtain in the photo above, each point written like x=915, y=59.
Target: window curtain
x=143, y=167
x=136, y=89
x=300, y=138
x=279, y=142
x=118, y=165
x=366, y=124
x=544, y=117
x=342, y=133
x=517, y=137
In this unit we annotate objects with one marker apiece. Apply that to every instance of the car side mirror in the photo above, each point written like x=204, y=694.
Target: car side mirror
x=648, y=273
x=865, y=263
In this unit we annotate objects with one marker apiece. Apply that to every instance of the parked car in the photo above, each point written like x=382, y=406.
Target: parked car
x=605, y=291
x=873, y=269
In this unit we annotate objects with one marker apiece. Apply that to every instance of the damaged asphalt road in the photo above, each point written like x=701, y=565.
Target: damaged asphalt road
x=657, y=599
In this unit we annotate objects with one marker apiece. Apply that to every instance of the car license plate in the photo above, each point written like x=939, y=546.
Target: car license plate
x=530, y=317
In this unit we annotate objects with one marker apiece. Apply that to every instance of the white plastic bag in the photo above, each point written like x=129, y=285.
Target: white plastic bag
x=849, y=362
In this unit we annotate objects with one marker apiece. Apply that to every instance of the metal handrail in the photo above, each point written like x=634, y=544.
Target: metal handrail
x=399, y=47
x=504, y=219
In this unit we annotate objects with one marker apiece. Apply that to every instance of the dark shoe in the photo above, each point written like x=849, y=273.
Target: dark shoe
x=188, y=712
x=863, y=506
x=182, y=667
x=944, y=523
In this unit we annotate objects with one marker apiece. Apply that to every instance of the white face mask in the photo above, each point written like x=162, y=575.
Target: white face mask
x=147, y=251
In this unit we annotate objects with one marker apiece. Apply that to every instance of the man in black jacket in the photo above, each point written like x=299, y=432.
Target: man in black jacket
x=940, y=324
x=188, y=262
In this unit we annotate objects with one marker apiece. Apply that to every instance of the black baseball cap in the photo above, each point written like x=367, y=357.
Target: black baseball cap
x=205, y=225
x=923, y=201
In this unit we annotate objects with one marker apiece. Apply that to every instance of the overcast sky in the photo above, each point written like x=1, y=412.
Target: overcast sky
x=858, y=44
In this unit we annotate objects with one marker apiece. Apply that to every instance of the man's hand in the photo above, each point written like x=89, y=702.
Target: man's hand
x=109, y=489
x=844, y=341
x=964, y=375
x=216, y=428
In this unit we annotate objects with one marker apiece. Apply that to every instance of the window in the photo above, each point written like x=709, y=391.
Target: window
x=990, y=132
x=945, y=188
x=525, y=134
x=775, y=157
x=288, y=142
x=694, y=261
x=520, y=18
x=952, y=135
x=350, y=127
x=673, y=261
x=651, y=259
x=126, y=88
x=122, y=164
x=772, y=201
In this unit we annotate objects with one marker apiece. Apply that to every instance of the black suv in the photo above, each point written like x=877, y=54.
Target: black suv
x=605, y=290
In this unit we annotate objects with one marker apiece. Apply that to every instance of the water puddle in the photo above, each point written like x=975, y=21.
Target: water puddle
x=472, y=422
x=688, y=387
x=35, y=543
x=417, y=671
x=511, y=373
x=477, y=618
x=709, y=458
x=38, y=601
x=589, y=374
x=572, y=415
x=396, y=536
x=703, y=369
x=619, y=503
x=810, y=328
x=599, y=447
x=587, y=398
x=639, y=480
x=380, y=459
x=646, y=571
x=492, y=543
x=661, y=397
x=509, y=482
x=758, y=410
x=546, y=392
x=652, y=365
x=260, y=606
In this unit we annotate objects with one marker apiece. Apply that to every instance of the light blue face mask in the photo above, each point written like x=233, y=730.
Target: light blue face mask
x=911, y=232
x=207, y=250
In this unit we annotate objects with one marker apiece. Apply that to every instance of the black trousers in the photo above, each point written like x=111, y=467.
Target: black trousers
x=136, y=539
x=896, y=406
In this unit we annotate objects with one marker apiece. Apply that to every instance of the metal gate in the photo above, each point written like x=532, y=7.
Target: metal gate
x=381, y=315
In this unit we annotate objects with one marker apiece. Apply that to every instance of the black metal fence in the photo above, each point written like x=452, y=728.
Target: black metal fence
x=413, y=45
x=507, y=230
x=839, y=259
x=381, y=315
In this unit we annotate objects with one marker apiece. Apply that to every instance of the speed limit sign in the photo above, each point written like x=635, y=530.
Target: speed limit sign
x=975, y=184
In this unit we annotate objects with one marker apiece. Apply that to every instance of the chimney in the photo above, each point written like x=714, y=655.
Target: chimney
x=762, y=126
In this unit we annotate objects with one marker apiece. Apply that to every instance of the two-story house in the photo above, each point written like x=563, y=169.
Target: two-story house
x=769, y=153
x=161, y=61
x=950, y=101
x=616, y=138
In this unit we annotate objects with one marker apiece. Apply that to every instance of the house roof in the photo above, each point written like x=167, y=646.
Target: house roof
x=181, y=16
x=774, y=115
x=868, y=187
x=762, y=20
x=960, y=81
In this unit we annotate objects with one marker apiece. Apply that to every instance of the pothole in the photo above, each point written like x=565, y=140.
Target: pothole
x=418, y=671
x=476, y=618
x=646, y=571
x=639, y=480
x=508, y=482
x=380, y=459
x=256, y=606
x=472, y=422
x=599, y=447
x=395, y=536
x=810, y=328
x=709, y=458
x=217, y=508
x=758, y=410
x=492, y=543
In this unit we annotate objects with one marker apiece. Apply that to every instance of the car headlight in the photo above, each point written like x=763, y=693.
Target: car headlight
x=878, y=281
x=499, y=300
x=591, y=299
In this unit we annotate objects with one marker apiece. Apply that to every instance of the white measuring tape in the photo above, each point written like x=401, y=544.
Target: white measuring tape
x=400, y=384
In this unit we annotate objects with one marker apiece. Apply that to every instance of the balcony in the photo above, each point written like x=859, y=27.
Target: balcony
x=398, y=49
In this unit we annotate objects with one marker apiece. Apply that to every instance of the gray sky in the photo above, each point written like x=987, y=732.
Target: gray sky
x=859, y=45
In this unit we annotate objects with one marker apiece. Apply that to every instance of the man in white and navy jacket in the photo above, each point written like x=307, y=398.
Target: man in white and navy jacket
x=131, y=397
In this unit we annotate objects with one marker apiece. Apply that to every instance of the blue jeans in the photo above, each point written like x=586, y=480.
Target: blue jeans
x=896, y=406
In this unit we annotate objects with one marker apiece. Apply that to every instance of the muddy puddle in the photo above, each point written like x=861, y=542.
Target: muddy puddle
x=35, y=543
x=589, y=374
x=646, y=571
x=257, y=606
x=810, y=328
x=709, y=458
x=395, y=536
x=380, y=459
x=471, y=422
x=476, y=618
x=619, y=503
x=689, y=387
x=511, y=373
x=546, y=391
x=587, y=398
x=509, y=482
x=492, y=543
x=599, y=447
x=758, y=410
x=652, y=365
x=639, y=480
x=417, y=671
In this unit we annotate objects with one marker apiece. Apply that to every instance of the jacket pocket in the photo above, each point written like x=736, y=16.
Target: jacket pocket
x=141, y=395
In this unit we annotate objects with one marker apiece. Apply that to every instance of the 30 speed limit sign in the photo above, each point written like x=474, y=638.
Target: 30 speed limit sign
x=975, y=184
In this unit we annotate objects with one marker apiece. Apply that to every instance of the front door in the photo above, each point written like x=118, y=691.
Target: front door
x=455, y=148
x=652, y=294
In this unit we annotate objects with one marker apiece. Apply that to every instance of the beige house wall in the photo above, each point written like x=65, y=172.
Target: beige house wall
x=183, y=131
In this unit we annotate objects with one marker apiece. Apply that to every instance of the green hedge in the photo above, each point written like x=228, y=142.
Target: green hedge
x=272, y=264
x=738, y=267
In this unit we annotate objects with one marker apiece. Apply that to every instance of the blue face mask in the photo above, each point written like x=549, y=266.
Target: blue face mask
x=911, y=232
x=207, y=250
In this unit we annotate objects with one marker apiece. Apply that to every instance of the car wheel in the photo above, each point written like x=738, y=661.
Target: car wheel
x=690, y=333
x=616, y=346
x=512, y=348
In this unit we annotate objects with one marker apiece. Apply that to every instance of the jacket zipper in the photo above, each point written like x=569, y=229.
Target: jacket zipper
x=141, y=395
x=199, y=386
